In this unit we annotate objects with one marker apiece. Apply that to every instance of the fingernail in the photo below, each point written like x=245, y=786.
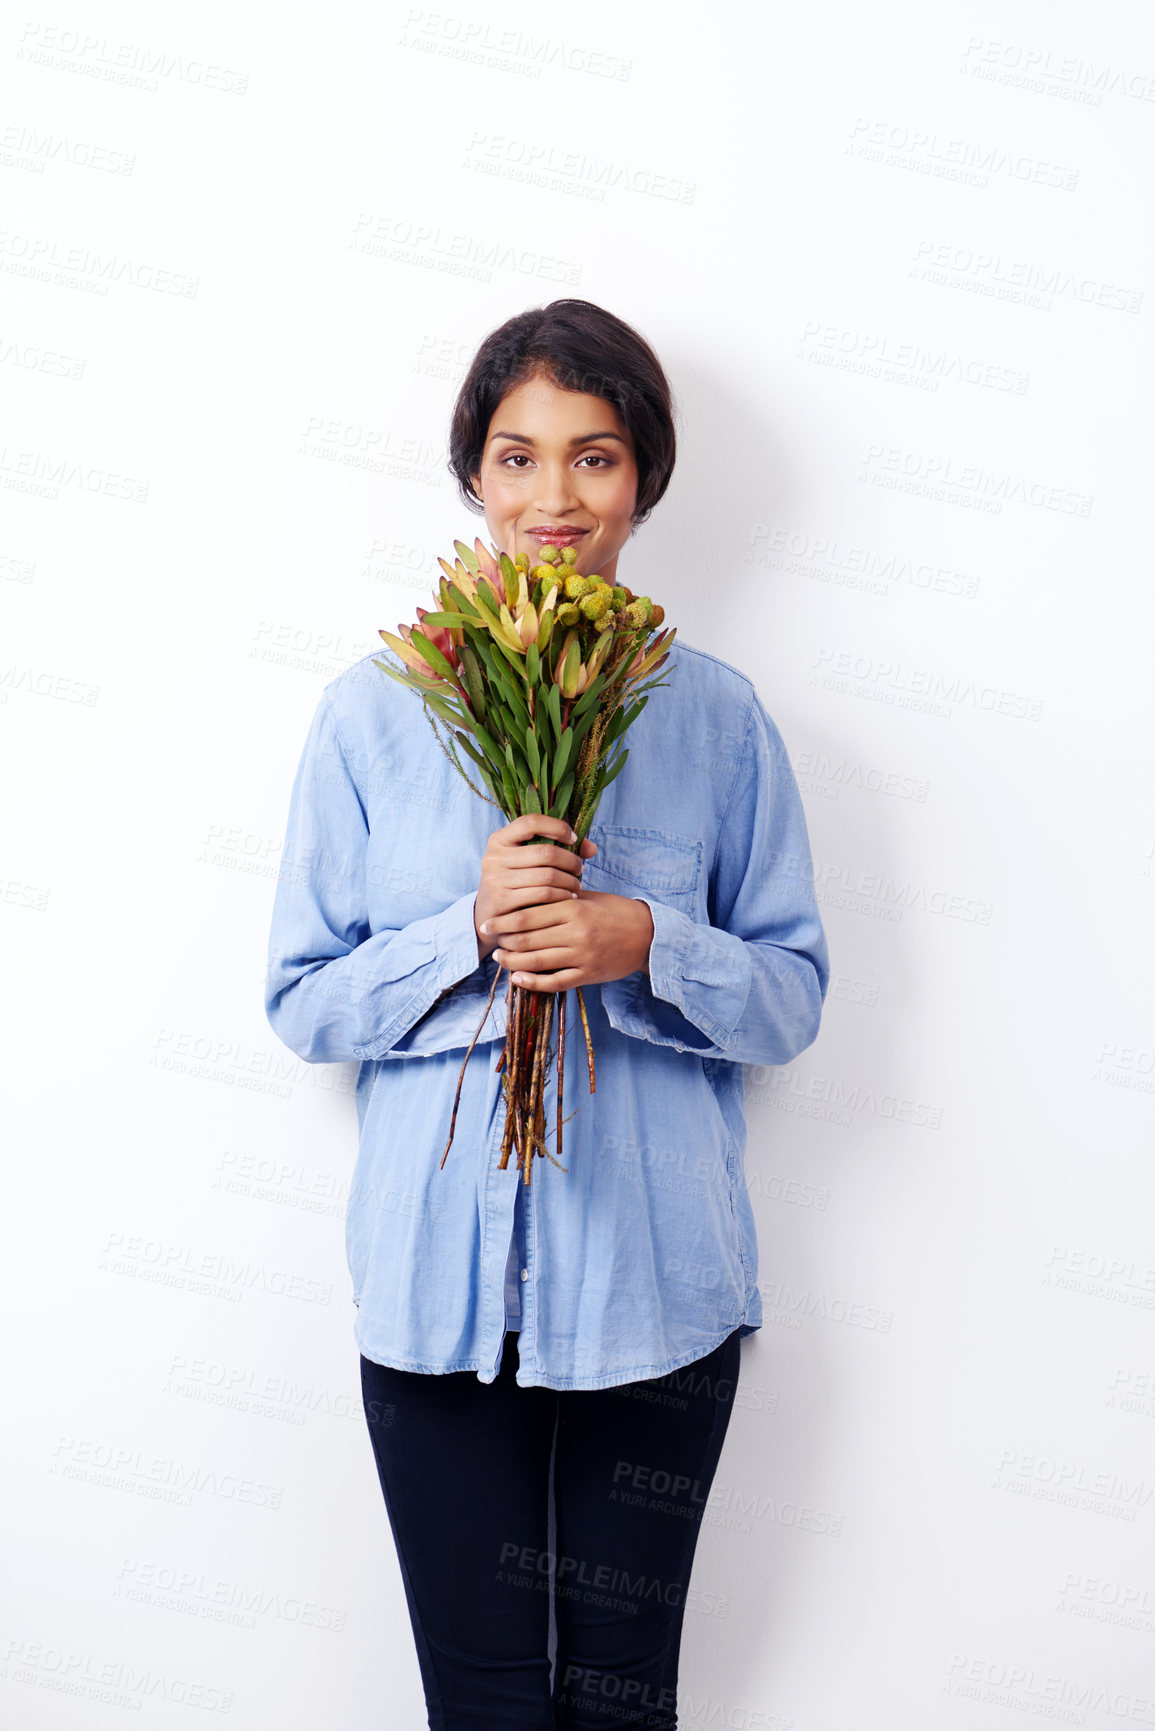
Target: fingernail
x=484, y=926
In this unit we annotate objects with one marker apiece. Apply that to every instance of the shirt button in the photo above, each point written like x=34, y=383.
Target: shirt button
x=525, y=1274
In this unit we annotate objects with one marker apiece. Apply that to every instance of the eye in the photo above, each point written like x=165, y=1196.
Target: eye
x=518, y=458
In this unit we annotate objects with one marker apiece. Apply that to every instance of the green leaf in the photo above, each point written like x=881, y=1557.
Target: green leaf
x=488, y=599
x=582, y=727
x=604, y=780
x=509, y=789
x=588, y=697
x=513, y=656
x=532, y=664
x=520, y=762
x=468, y=746
x=489, y=745
x=515, y=763
x=508, y=721
x=516, y=695
x=401, y=678
x=533, y=755
x=433, y=655
x=447, y=711
x=652, y=685
x=476, y=635
x=561, y=756
x=616, y=727
x=414, y=681
x=471, y=675
x=463, y=601
x=657, y=653
x=555, y=710
x=541, y=728
x=561, y=798
x=483, y=648
x=530, y=801
x=451, y=620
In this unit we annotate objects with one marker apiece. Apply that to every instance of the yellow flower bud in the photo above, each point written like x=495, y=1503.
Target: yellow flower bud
x=595, y=605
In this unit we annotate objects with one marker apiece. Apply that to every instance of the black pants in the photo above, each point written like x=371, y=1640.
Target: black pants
x=465, y=1470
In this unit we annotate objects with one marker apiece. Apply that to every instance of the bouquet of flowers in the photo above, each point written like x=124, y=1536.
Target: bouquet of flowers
x=535, y=673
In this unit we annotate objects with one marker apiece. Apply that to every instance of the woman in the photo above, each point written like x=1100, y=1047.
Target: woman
x=582, y=1332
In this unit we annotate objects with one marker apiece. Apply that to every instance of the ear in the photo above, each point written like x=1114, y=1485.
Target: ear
x=475, y=483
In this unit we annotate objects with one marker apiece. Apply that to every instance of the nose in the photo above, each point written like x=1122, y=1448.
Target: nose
x=557, y=492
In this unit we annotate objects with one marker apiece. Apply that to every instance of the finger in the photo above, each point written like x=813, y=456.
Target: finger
x=542, y=854
x=528, y=896
x=549, y=956
x=524, y=828
x=563, y=869
x=528, y=919
x=521, y=933
x=562, y=981
x=523, y=895
x=516, y=900
x=529, y=947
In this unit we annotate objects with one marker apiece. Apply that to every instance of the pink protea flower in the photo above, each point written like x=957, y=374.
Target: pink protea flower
x=487, y=559
x=439, y=635
x=459, y=574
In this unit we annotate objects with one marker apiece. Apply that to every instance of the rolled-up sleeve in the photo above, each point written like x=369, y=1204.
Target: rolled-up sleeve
x=335, y=990
x=750, y=985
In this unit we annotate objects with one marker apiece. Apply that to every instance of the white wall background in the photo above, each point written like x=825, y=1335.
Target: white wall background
x=897, y=264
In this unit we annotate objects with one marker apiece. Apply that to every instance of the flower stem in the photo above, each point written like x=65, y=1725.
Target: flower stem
x=589, y=1042
x=560, y=1063
x=465, y=1060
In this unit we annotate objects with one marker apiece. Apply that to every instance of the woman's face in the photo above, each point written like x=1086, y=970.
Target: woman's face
x=558, y=461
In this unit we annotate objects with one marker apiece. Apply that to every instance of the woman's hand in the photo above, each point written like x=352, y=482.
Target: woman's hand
x=573, y=941
x=515, y=877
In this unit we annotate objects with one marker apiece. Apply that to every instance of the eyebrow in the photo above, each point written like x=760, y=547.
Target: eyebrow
x=579, y=439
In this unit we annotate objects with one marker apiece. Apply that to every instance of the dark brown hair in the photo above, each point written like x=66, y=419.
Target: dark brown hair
x=580, y=347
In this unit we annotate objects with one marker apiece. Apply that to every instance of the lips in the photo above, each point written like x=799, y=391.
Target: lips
x=557, y=536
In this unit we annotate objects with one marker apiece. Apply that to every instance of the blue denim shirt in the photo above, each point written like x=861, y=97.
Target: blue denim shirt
x=643, y=1255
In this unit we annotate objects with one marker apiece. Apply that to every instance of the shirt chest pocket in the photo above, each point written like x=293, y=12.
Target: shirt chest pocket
x=655, y=862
